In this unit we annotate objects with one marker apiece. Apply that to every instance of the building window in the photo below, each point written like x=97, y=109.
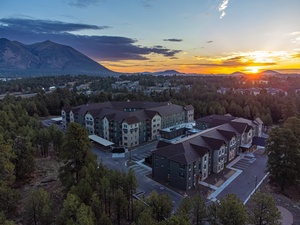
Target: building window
x=181, y=166
x=181, y=174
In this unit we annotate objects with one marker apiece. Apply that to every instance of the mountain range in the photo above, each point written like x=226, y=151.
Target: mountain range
x=46, y=58
x=164, y=73
x=263, y=73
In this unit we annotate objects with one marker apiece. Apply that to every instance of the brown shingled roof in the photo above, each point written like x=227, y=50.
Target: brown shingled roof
x=131, y=120
x=94, y=112
x=227, y=134
x=240, y=127
x=189, y=107
x=211, y=118
x=183, y=152
x=67, y=108
x=215, y=144
x=167, y=109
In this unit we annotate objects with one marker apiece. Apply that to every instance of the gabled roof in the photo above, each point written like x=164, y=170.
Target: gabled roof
x=150, y=114
x=94, y=112
x=170, y=150
x=248, y=128
x=131, y=120
x=183, y=152
x=161, y=144
x=214, y=134
x=67, y=108
x=118, y=111
x=215, y=144
x=228, y=127
x=228, y=135
x=136, y=104
x=259, y=121
x=189, y=107
x=110, y=116
x=210, y=119
x=168, y=109
x=217, y=122
x=200, y=149
x=243, y=120
x=240, y=127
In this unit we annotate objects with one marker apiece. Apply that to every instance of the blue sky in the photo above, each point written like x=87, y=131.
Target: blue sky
x=192, y=36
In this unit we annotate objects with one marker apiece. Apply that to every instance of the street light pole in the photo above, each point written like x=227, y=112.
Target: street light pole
x=255, y=183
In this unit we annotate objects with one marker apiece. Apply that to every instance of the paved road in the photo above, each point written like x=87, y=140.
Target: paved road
x=146, y=185
x=253, y=172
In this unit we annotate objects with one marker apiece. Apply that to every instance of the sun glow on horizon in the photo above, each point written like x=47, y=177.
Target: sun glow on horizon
x=254, y=70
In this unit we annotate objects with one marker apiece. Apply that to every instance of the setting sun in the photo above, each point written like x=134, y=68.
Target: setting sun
x=254, y=70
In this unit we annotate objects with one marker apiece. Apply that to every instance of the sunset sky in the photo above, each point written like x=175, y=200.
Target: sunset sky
x=190, y=36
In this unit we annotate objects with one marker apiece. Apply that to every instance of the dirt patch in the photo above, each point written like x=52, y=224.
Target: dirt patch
x=46, y=176
x=217, y=179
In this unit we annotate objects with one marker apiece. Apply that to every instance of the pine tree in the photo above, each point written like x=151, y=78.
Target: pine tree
x=38, y=208
x=264, y=210
x=283, y=154
x=199, y=212
x=76, y=152
x=232, y=211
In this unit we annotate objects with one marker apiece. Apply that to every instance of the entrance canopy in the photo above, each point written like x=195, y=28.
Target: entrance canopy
x=100, y=140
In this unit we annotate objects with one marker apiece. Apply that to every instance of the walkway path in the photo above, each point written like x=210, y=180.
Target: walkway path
x=287, y=217
x=218, y=190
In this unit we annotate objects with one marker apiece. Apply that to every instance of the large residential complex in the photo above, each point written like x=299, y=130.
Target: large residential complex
x=127, y=123
x=187, y=161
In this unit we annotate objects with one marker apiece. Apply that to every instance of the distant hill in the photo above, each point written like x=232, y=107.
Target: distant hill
x=46, y=58
x=269, y=73
x=238, y=74
x=167, y=72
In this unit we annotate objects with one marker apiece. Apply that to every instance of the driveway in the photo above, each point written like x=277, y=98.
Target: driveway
x=253, y=171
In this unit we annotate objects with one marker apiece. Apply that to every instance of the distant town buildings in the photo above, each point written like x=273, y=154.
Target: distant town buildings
x=127, y=123
x=254, y=91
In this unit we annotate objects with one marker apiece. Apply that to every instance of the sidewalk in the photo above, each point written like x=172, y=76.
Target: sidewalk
x=218, y=190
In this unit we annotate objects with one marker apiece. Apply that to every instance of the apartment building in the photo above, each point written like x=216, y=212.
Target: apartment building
x=127, y=123
x=192, y=159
